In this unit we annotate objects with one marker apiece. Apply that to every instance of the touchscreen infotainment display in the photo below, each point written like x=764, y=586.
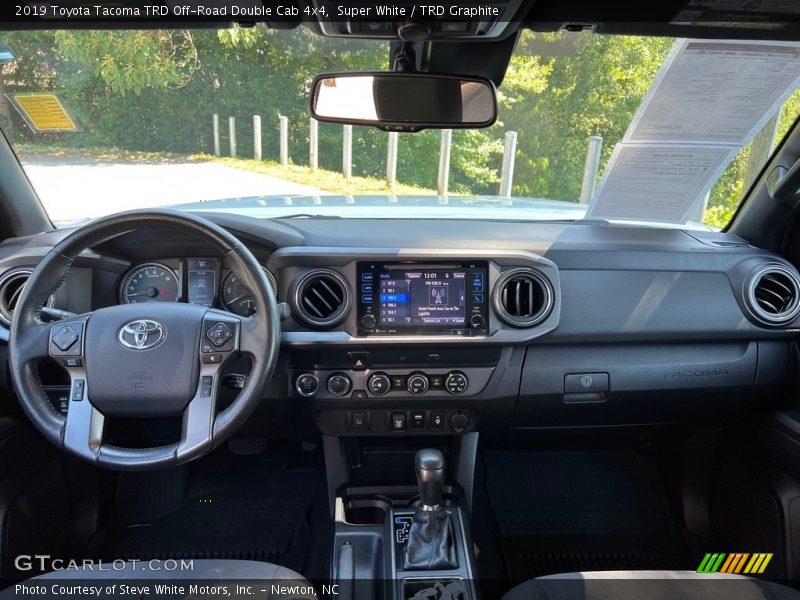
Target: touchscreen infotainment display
x=425, y=297
x=422, y=298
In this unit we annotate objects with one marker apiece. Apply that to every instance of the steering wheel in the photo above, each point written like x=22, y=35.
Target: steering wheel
x=142, y=360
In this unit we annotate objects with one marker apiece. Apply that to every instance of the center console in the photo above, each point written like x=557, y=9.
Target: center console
x=402, y=543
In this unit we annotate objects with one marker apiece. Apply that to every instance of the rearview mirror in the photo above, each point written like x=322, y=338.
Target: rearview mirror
x=403, y=101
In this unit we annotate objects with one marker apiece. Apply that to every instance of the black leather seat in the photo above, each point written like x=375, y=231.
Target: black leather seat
x=207, y=572
x=649, y=585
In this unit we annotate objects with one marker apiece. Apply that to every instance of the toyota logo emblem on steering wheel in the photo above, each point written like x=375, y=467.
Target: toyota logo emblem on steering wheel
x=142, y=334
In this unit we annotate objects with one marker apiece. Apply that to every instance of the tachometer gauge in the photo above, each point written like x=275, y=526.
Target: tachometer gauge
x=237, y=299
x=150, y=282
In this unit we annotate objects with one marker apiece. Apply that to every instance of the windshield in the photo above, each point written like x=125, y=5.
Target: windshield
x=620, y=128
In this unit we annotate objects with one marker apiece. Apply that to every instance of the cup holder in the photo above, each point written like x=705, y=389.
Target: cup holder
x=367, y=511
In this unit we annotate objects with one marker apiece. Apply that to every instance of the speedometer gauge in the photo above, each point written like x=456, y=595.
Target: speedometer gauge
x=237, y=299
x=150, y=282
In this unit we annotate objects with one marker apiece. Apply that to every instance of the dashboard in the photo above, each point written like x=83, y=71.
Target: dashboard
x=406, y=327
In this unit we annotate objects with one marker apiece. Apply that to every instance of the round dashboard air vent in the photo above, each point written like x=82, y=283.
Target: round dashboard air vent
x=321, y=298
x=773, y=294
x=523, y=297
x=11, y=286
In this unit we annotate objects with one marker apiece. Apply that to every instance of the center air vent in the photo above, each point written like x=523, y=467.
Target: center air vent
x=11, y=286
x=321, y=298
x=523, y=297
x=773, y=294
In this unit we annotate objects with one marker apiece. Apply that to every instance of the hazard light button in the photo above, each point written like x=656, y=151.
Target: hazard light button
x=359, y=361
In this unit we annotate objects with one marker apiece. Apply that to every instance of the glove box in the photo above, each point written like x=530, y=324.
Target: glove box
x=626, y=384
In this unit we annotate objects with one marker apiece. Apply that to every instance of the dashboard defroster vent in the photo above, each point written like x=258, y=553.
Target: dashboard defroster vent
x=523, y=297
x=773, y=294
x=321, y=298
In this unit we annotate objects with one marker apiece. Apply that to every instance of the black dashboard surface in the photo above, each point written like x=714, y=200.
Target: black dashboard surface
x=617, y=282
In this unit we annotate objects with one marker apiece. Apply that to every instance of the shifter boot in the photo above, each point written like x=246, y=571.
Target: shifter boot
x=431, y=543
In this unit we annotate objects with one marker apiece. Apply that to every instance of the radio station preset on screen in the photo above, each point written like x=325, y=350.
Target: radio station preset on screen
x=421, y=298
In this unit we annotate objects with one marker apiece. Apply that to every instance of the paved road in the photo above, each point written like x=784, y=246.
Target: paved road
x=72, y=188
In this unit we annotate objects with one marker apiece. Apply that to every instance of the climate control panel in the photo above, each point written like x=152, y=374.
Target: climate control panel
x=398, y=391
x=377, y=384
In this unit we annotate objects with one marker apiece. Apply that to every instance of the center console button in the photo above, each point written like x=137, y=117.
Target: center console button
x=379, y=384
x=359, y=421
x=398, y=421
x=338, y=385
x=456, y=382
x=417, y=383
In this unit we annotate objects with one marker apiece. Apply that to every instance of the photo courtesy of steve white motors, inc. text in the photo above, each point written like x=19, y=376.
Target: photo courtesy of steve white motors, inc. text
x=76, y=589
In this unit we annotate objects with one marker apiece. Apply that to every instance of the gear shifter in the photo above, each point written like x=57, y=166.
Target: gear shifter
x=430, y=540
x=430, y=478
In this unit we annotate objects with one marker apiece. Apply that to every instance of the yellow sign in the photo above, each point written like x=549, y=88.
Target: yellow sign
x=44, y=112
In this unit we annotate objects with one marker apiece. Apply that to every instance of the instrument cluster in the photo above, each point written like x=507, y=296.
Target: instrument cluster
x=204, y=281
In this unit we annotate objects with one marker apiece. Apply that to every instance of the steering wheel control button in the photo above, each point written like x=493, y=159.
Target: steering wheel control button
x=65, y=338
x=456, y=382
x=72, y=362
x=417, y=383
x=379, y=384
x=206, y=381
x=78, y=387
x=219, y=334
x=306, y=385
x=206, y=348
x=417, y=420
x=398, y=421
x=459, y=422
x=359, y=421
x=437, y=420
x=339, y=385
x=212, y=359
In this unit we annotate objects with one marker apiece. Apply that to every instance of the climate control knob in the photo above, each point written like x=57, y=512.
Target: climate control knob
x=379, y=384
x=417, y=383
x=339, y=385
x=456, y=382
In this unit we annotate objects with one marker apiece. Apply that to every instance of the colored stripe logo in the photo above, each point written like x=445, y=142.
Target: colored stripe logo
x=736, y=562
